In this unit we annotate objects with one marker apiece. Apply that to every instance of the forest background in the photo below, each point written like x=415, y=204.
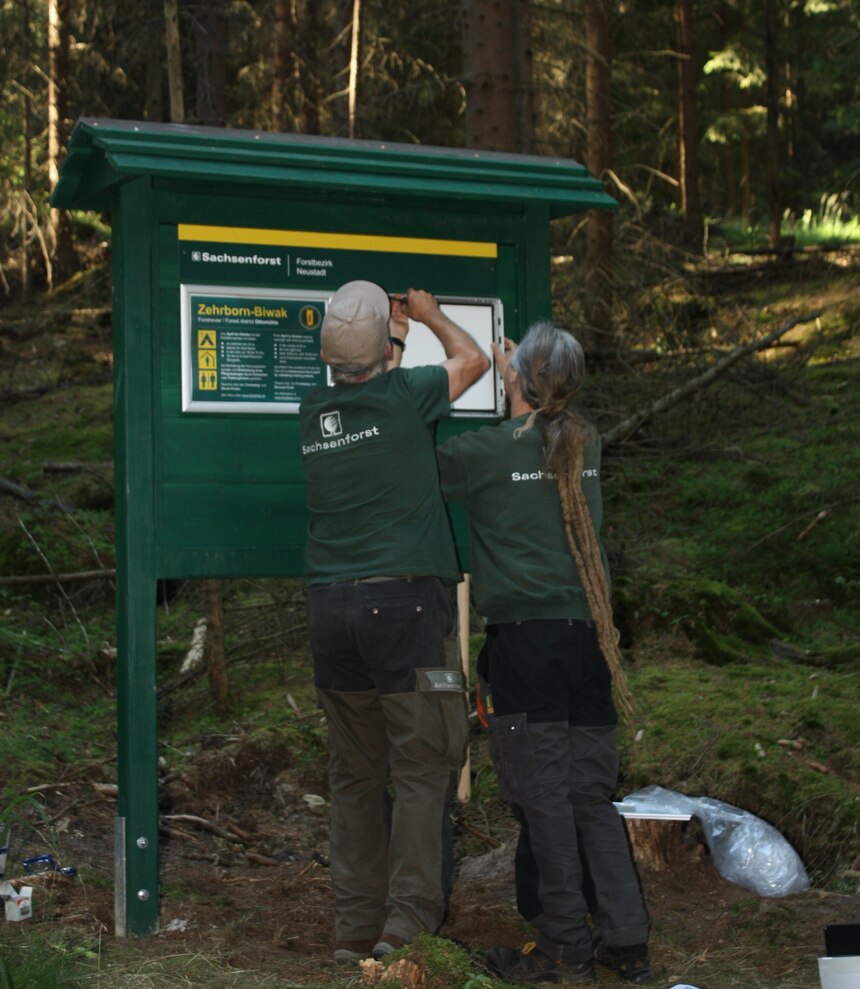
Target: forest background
x=729, y=133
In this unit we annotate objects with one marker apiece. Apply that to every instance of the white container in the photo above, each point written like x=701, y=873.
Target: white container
x=20, y=906
x=839, y=972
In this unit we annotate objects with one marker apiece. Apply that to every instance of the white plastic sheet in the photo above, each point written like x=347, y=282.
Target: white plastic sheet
x=746, y=850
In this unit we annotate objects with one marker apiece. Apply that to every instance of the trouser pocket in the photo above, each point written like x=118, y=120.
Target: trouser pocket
x=511, y=752
x=531, y=760
x=430, y=725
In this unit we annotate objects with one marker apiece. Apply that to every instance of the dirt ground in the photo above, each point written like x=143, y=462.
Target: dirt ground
x=258, y=894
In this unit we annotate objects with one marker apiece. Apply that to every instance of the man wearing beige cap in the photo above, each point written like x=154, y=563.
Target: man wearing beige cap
x=378, y=557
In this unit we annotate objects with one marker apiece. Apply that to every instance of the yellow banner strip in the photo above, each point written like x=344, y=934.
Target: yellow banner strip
x=338, y=242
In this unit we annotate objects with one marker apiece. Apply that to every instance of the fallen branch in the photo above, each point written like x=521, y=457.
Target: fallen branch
x=823, y=513
x=820, y=517
x=653, y=355
x=175, y=834
x=37, y=391
x=45, y=787
x=205, y=825
x=53, y=578
x=628, y=426
x=257, y=859
x=25, y=494
x=487, y=839
x=110, y=791
x=791, y=248
x=241, y=832
x=196, y=654
x=74, y=467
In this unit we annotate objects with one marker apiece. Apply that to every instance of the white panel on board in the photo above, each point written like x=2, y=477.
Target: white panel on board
x=482, y=319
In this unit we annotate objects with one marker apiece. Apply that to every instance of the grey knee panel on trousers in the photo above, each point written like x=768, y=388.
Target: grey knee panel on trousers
x=620, y=915
x=533, y=765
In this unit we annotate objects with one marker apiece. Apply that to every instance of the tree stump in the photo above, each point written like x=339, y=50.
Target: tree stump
x=655, y=843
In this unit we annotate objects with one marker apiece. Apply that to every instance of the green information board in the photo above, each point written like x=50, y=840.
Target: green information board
x=226, y=245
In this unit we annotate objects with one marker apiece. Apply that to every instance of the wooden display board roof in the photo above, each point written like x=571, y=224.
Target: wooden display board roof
x=103, y=153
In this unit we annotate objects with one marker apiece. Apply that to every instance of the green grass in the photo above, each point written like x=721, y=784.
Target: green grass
x=736, y=528
x=716, y=731
x=34, y=960
x=757, y=488
x=830, y=224
x=40, y=963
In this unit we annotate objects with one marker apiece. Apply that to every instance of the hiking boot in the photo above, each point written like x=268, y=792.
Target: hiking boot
x=387, y=944
x=530, y=964
x=630, y=961
x=352, y=952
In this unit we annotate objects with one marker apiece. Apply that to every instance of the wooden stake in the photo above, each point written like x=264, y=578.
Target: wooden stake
x=464, y=788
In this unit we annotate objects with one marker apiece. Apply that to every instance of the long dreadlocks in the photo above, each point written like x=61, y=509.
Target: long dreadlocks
x=550, y=366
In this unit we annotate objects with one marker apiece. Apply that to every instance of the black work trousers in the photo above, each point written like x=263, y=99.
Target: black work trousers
x=552, y=738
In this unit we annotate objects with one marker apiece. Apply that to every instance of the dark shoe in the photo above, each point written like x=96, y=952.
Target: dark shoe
x=387, y=944
x=530, y=964
x=630, y=961
x=352, y=952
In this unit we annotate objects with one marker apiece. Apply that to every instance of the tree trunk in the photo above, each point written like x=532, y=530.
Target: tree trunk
x=211, y=66
x=216, y=662
x=490, y=74
x=774, y=204
x=343, y=33
x=790, y=97
x=598, y=269
x=59, y=42
x=691, y=204
x=27, y=222
x=154, y=106
x=308, y=30
x=282, y=68
x=174, y=61
x=524, y=86
x=728, y=99
x=354, y=64
x=730, y=179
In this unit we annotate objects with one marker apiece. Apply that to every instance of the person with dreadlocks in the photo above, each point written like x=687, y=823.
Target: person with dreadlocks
x=550, y=660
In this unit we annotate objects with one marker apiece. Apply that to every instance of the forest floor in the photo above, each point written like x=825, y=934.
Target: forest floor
x=742, y=630
x=228, y=921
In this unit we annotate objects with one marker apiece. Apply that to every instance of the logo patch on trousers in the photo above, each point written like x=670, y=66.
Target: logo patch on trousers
x=441, y=680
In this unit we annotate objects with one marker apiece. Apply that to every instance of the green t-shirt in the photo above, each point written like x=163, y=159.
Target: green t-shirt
x=521, y=565
x=372, y=481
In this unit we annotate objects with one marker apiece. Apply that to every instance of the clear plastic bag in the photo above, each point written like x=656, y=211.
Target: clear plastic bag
x=745, y=849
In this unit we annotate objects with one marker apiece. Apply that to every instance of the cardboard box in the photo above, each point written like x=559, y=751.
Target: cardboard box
x=19, y=906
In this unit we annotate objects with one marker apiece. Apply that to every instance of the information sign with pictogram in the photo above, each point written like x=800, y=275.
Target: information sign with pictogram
x=249, y=350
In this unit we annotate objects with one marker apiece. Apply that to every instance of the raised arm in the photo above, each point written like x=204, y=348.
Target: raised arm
x=464, y=361
x=398, y=329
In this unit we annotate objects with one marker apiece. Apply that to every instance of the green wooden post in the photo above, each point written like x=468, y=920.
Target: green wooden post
x=136, y=892
x=537, y=290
